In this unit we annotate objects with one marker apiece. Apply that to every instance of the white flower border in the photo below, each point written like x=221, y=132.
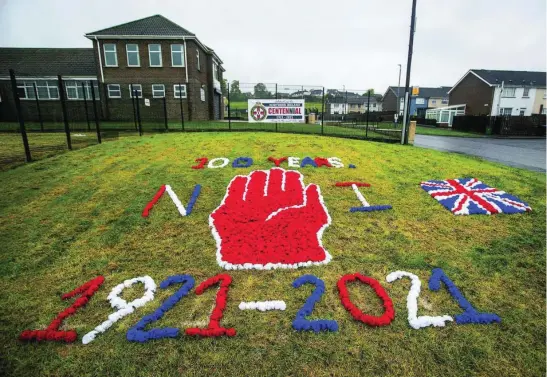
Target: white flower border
x=124, y=308
x=270, y=266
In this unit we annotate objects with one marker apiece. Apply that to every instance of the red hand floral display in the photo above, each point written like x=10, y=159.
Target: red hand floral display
x=267, y=220
x=383, y=320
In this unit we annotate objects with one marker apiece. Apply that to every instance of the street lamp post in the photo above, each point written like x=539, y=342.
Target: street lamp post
x=404, y=138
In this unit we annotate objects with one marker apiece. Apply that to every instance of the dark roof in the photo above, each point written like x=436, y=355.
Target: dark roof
x=48, y=61
x=154, y=25
x=511, y=77
x=353, y=100
x=441, y=92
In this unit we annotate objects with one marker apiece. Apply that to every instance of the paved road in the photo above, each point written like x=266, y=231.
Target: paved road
x=522, y=153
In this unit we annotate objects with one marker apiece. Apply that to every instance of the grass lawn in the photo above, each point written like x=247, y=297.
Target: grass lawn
x=74, y=216
x=422, y=130
x=47, y=144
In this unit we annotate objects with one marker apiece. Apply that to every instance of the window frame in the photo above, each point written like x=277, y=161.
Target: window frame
x=77, y=85
x=156, y=90
x=46, y=85
x=176, y=91
x=181, y=52
x=115, y=54
x=134, y=88
x=198, y=61
x=202, y=94
x=503, y=111
x=155, y=52
x=133, y=52
x=118, y=90
x=504, y=95
x=27, y=87
x=525, y=92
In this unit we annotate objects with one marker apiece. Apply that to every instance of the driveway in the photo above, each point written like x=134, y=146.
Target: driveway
x=521, y=153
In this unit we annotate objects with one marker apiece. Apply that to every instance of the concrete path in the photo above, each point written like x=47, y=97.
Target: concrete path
x=521, y=153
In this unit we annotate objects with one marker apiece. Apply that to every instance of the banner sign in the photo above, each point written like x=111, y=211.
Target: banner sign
x=276, y=110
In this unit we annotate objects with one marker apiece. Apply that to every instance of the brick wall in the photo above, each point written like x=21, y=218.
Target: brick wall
x=193, y=107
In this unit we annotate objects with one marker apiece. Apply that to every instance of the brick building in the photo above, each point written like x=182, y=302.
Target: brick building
x=153, y=56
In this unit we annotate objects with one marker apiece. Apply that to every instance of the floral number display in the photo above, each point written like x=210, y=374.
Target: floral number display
x=412, y=303
x=214, y=329
x=150, y=205
x=268, y=220
x=365, y=207
x=137, y=332
x=470, y=314
x=300, y=323
x=383, y=320
x=52, y=332
x=124, y=308
x=201, y=163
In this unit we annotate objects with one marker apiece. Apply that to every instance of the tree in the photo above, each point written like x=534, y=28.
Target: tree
x=235, y=92
x=260, y=91
x=367, y=92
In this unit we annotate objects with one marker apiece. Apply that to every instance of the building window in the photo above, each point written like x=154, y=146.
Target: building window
x=158, y=90
x=433, y=101
x=508, y=92
x=110, y=55
x=522, y=111
x=202, y=93
x=197, y=59
x=75, y=91
x=544, y=110
x=177, y=55
x=526, y=92
x=133, y=55
x=135, y=90
x=179, y=90
x=154, y=54
x=444, y=102
x=25, y=90
x=506, y=110
x=215, y=71
x=114, y=91
x=45, y=89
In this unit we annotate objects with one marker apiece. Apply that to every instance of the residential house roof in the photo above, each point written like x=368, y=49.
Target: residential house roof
x=156, y=25
x=518, y=78
x=356, y=100
x=38, y=62
x=440, y=92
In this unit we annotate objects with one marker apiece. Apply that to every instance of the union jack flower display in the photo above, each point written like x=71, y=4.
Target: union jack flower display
x=469, y=196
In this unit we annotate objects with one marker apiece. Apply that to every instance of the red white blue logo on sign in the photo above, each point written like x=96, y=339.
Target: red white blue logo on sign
x=469, y=196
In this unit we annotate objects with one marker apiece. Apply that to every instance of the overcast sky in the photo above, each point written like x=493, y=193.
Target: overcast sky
x=351, y=43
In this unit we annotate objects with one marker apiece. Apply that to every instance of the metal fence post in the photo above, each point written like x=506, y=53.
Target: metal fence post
x=20, y=115
x=63, y=106
x=322, y=111
x=181, y=110
x=134, y=108
x=136, y=95
x=165, y=113
x=38, y=107
x=97, y=127
x=277, y=98
x=85, y=105
x=368, y=110
x=229, y=116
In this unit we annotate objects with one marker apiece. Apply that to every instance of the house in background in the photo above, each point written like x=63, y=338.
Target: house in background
x=156, y=56
x=491, y=92
x=425, y=99
x=356, y=104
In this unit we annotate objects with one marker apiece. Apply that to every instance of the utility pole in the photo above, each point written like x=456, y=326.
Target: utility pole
x=404, y=138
